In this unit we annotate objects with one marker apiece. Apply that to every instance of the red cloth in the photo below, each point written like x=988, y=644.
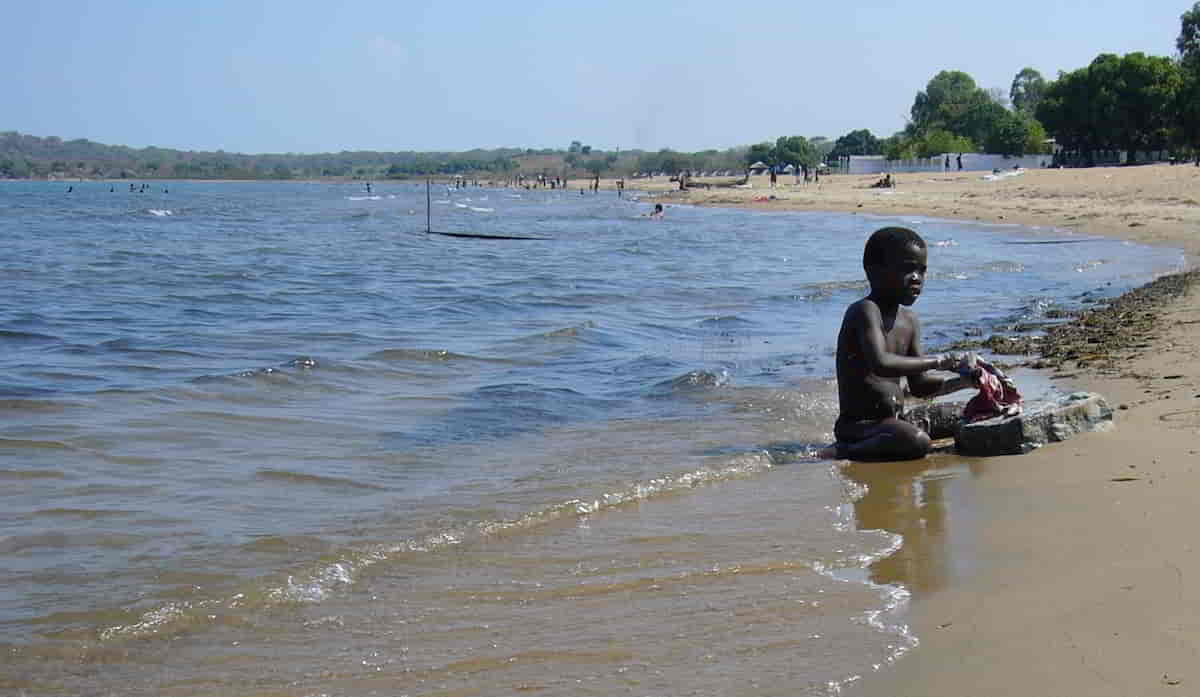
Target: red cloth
x=997, y=396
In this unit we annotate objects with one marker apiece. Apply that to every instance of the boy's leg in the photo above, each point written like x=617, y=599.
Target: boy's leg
x=886, y=439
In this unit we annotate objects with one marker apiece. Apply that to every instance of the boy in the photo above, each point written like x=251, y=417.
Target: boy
x=879, y=348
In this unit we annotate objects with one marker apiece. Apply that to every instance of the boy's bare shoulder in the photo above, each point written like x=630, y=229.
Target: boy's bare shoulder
x=860, y=308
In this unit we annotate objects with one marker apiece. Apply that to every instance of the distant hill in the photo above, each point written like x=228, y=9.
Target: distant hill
x=25, y=156
x=33, y=157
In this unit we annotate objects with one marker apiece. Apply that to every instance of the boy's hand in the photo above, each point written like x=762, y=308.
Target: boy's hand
x=966, y=367
x=967, y=363
x=955, y=361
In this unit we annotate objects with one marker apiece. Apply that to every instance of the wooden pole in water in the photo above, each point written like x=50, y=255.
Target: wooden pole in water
x=428, y=208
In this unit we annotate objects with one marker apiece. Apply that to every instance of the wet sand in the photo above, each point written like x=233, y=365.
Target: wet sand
x=1070, y=570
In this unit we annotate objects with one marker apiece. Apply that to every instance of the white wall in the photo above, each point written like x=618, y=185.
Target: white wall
x=973, y=162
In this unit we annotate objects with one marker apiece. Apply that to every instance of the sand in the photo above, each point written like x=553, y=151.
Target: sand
x=1071, y=570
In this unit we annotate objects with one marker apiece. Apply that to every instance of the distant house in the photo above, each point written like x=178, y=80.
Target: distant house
x=758, y=168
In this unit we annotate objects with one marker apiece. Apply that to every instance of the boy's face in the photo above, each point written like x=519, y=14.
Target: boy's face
x=903, y=276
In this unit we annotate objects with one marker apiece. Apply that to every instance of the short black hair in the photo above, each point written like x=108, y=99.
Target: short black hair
x=887, y=241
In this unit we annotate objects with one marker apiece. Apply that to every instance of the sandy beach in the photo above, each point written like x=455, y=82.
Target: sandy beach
x=1067, y=571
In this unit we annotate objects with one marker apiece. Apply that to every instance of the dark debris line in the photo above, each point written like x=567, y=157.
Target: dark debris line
x=1099, y=337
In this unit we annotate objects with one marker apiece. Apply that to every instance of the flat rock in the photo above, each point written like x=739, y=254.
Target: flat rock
x=938, y=419
x=1046, y=423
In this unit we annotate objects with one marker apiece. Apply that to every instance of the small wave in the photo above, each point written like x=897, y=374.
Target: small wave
x=824, y=290
x=325, y=576
x=461, y=205
x=8, y=335
x=318, y=479
x=278, y=373
x=84, y=513
x=1089, y=265
x=1004, y=267
x=17, y=443
x=303, y=362
x=479, y=209
x=59, y=540
x=435, y=355
x=364, y=198
x=694, y=380
x=159, y=212
x=724, y=321
x=285, y=544
x=563, y=333
x=32, y=474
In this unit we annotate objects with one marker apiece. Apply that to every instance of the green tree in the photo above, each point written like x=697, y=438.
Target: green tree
x=1078, y=106
x=1035, y=135
x=761, y=152
x=952, y=102
x=1009, y=137
x=945, y=100
x=1027, y=89
x=1129, y=103
x=794, y=150
x=1186, y=130
x=859, y=142
x=1187, y=113
x=939, y=142
x=899, y=147
x=596, y=167
x=1145, y=93
x=1188, y=43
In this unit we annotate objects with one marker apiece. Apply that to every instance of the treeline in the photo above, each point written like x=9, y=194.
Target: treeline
x=952, y=114
x=26, y=156
x=1134, y=103
x=671, y=162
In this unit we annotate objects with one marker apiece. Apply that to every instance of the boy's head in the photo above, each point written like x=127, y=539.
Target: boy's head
x=895, y=259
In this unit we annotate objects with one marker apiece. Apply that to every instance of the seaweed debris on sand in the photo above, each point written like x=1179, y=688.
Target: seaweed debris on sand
x=1099, y=338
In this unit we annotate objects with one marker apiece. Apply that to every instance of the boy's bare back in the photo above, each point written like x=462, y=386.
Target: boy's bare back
x=862, y=394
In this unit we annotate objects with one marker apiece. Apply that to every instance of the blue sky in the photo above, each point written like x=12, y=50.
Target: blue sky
x=299, y=76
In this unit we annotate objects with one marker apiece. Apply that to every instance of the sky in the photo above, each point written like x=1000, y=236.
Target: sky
x=257, y=76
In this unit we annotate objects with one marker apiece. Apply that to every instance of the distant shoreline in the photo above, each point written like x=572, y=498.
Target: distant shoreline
x=1154, y=204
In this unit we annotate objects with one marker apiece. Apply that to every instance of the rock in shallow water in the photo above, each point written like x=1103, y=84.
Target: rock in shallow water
x=1038, y=425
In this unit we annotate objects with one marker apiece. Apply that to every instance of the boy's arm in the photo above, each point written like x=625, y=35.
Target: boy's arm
x=926, y=385
x=884, y=363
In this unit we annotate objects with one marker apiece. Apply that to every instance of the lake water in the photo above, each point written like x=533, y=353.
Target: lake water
x=271, y=439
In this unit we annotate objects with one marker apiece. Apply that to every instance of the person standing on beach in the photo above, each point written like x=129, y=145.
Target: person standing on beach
x=879, y=351
x=959, y=159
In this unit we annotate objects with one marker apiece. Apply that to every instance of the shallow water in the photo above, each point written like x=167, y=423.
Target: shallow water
x=270, y=438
